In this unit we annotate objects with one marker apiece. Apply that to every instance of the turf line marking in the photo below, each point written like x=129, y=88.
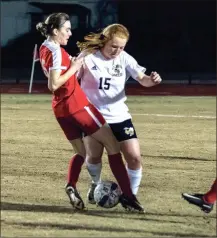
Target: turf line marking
x=176, y=116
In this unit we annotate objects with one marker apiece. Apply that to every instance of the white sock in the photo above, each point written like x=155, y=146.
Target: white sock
x=94, y=171
x=135, y=177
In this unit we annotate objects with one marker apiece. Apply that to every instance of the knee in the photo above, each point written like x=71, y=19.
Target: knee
x=82, y=153
x=93, y=159
x=134, y=161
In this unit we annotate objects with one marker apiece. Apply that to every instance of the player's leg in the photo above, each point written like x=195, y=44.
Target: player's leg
x=76, y=161
x=93, y=123
x=204, y=201
x=126, y=135
x=94, y=151
x=105, y=136
x=210, y=196
x=131, y=151
x=128, y=200
x=73, y=134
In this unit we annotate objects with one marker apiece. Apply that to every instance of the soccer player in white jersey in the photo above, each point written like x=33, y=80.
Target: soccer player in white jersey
x=103, y=77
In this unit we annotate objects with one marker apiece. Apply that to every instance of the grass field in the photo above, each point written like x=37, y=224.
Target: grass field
x=178, y=143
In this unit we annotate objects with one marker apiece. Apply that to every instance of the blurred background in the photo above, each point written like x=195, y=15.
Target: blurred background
x=176, y=38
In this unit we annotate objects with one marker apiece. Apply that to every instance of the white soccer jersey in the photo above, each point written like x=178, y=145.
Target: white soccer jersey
x=103, y=81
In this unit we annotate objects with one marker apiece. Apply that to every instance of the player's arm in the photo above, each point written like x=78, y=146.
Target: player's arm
x=56, y=80
x=80, y=72
x=138, y=72
x=149, y=81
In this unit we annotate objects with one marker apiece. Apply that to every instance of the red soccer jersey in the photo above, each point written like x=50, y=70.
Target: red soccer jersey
x=69, y=98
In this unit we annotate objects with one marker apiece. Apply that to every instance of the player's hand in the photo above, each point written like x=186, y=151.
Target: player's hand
x=77, y=63
x=155, y=77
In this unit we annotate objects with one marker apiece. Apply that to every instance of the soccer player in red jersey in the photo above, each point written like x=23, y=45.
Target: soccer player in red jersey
x=74, y=113
x=204, y=201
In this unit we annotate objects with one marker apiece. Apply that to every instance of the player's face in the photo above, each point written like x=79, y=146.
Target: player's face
x=114, y=47
x=64, y=33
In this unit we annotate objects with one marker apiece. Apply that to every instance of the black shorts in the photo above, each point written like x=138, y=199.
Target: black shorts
x=123, y=130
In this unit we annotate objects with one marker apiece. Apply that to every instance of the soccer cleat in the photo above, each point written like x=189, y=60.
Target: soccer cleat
x=90, y=193
x=74, y=198
x=197, y=199
x=131, y=204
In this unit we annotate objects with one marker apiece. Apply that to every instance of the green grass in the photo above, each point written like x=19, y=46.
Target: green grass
x=179, y=155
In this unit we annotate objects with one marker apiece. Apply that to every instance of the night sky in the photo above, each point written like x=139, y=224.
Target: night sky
x=171, y=35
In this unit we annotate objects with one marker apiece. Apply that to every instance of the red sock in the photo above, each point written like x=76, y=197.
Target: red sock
x=119, y=170
x=210, y=197
x=75, y=165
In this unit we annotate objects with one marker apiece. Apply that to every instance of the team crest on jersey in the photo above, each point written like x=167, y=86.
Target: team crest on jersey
x=129, y=131
x=116, y=70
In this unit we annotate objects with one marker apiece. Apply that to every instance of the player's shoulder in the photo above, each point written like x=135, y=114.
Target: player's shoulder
x=49, y=47
x=125, y=57
x=84, y=53
x=124, y=54
x=95, y=54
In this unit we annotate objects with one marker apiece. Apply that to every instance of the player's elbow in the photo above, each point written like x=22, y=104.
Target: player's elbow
x=52, y=87
x=145, y=81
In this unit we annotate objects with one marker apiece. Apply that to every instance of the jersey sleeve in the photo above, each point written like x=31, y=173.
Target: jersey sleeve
x=56, y=60
x=45, y=59
x=132, y=67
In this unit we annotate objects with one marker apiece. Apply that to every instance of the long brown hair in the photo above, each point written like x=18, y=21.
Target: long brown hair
x=96, y=41
x=55, y=20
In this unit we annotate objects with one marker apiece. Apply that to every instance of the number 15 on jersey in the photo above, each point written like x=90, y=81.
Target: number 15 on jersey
x=104, y=83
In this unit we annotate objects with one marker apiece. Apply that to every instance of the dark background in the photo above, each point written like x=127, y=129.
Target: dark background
x=174, y=36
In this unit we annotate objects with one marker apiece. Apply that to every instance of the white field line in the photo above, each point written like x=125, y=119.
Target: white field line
x=141, y=114
x=176, y=116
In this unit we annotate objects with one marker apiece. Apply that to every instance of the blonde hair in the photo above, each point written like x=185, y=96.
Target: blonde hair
x=96, y=41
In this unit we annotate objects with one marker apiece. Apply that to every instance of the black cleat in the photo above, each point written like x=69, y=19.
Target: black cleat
x=74, y=198
x=90, y=193
x=197, y=199
x=131, y=204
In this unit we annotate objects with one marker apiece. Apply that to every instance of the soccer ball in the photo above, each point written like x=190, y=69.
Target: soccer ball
x=107, y=194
